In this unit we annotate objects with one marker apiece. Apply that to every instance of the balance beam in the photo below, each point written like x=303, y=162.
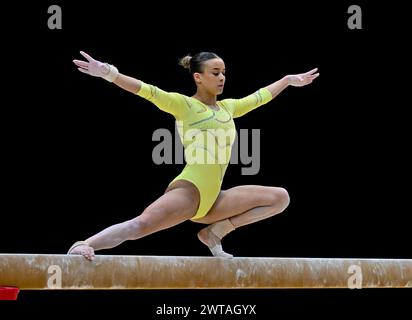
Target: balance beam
x=39, y=271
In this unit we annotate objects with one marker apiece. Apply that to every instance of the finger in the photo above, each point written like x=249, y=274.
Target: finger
x=310, y=76
x=90, y=255
x=312, y=71
x=80, y=63
x=84, y=54
x=313, y=76
x=83, y=70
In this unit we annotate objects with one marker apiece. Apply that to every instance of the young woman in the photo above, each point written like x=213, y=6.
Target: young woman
x=196, y=193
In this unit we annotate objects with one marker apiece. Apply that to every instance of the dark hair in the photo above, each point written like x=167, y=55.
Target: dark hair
x=195, y=63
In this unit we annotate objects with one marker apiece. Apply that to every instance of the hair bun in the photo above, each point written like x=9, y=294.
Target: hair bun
x=185, y=61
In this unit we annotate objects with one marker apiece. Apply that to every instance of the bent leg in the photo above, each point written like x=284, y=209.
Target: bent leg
x=237, y=207
x=175, y=206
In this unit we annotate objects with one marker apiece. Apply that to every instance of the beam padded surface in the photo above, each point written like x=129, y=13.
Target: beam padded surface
x=39, y=271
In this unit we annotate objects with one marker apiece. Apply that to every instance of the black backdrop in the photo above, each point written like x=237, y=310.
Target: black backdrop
x=77, y=151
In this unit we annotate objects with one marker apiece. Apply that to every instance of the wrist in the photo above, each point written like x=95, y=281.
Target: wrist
x=286, y=80
x=109, y=72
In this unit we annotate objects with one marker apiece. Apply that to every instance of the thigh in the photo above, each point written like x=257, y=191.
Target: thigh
x=238, y=200
x=178, y=204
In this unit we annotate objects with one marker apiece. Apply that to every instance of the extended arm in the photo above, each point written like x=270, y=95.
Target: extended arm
x=264, y=95
x=296, y=80
x=128, y=83
x=167, y=101
x=108, y=72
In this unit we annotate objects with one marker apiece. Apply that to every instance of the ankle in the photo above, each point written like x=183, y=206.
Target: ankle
x=222, y=228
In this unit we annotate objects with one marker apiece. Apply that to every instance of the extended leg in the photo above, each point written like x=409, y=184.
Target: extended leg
x=172, y=208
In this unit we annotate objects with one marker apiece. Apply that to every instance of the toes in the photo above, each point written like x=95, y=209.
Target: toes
x=227, y=255
x=224, y=255
x=217, y=251
x=213, y=242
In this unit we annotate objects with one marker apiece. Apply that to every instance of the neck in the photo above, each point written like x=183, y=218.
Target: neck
x=205, y=97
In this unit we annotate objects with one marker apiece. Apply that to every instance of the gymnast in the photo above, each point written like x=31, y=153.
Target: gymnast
x=195, y=194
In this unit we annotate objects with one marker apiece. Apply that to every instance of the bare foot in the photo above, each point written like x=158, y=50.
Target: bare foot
x=213, y=243
x=84, y=250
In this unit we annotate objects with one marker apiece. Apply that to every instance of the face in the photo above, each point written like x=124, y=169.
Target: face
x=213, y=76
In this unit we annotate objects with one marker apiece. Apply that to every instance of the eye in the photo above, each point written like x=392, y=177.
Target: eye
x=216, y=73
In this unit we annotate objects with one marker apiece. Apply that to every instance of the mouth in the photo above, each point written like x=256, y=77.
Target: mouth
x=220, y=86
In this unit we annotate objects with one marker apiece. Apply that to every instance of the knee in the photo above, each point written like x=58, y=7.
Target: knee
x=280, y=198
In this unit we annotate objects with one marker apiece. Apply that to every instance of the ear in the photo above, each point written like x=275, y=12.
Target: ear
x=197, y=77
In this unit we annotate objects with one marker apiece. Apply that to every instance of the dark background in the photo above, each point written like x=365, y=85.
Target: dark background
x=76, y=150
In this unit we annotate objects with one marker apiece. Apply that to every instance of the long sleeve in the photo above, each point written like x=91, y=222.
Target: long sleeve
x=170, y=102
x=250, y=102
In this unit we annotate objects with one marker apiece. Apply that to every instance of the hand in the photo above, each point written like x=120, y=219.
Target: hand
x=96, y=68
x=82, y=248
x=302, y=79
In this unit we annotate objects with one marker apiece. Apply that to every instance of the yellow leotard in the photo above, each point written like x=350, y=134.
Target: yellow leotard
x=204, y=133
